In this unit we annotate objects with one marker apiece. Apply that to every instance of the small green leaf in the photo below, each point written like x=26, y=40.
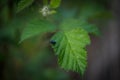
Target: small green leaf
x=36, y=26
x=23, y=4
x=55, y=3
x=52, y=12
x=69, y=24
x=70, y=48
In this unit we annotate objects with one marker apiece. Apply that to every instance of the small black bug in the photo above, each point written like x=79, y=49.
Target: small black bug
x=53, y=42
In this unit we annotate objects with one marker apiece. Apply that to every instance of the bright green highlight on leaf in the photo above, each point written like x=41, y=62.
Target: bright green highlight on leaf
x=52, y=12
x=70, y=48
x=55, y=3
x=69, y=24
x=23, y=4
x=36, y=26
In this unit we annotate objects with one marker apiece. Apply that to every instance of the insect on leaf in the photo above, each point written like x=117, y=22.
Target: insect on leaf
x=70, y=48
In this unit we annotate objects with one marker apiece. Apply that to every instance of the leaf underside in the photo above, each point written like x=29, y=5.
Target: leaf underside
x=70, y=48
x=36, y=26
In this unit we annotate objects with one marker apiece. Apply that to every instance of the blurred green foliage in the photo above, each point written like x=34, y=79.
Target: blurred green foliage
x=23, y=4
x=33, y=59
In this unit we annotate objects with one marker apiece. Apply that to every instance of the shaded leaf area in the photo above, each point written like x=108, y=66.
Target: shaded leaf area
x=36, y=26
x=93, y=11
x=23, y=4
x=70, y=48
x=71, y=23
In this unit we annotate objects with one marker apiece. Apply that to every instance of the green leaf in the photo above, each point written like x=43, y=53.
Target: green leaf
x=69, y=24
x=23, y=4
x=36, y=26
x=70, y=48
x=55, y=3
